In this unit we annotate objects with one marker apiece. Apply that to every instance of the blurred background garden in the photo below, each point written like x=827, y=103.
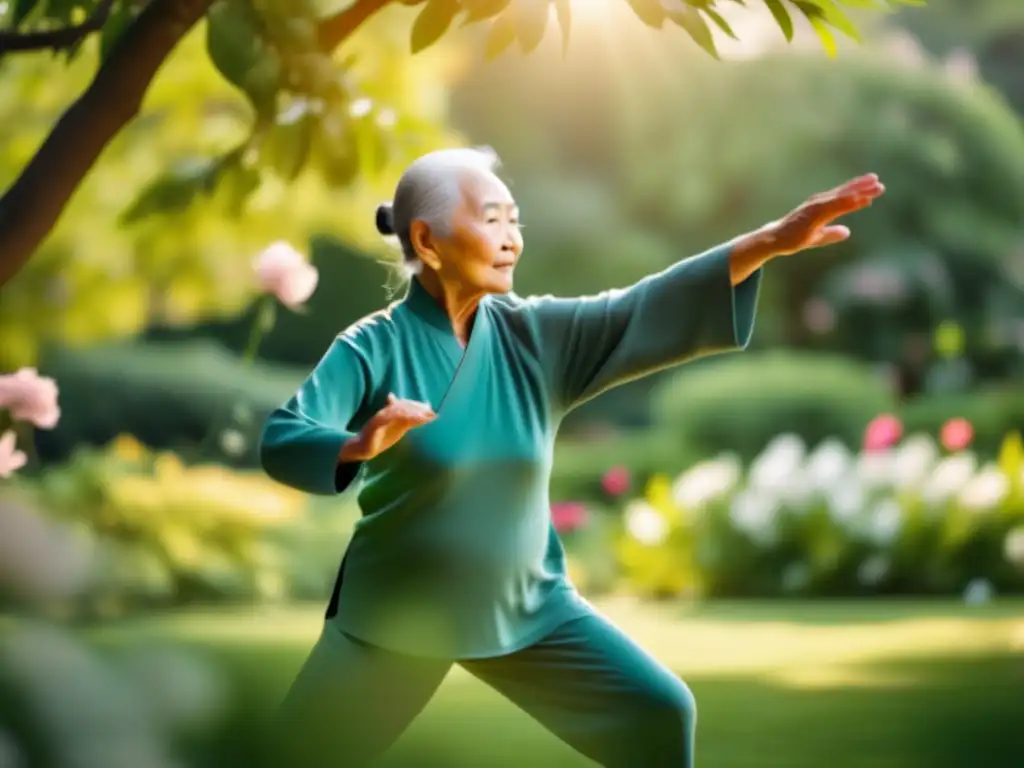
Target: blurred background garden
x=824, y=535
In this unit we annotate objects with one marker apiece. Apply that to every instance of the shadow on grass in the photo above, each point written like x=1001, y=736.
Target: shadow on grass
x=903, y=713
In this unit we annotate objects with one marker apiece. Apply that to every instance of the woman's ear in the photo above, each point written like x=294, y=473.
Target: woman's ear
x=423, y=243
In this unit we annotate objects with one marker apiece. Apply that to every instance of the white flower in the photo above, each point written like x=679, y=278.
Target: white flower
x=979, y=592
x=873, y=570
x=828, y=465
x=645, y=523
x=778, y=464
x=949, y=477
x=885, y=522
x=706, y=482
x=754, y=514
x=985, y=490
x=284, y=272
x=1013, y=546
x=875, y=468
x=846, y=501
x=914, y=459
x=232, y=442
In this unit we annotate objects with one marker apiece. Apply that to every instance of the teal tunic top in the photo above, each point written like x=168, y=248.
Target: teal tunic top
x=455, y=555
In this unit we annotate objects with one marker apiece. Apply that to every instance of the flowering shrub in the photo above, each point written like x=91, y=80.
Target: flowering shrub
x=158, y=531
x=901, y=517
x=27, y=401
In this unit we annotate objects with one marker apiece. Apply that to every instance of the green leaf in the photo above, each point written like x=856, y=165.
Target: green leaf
x=719, y=22
x=481, y=10
x=831, y=14
x=372, y=146
x=238, y=51
x=828, y=40
x=286, y=145
x=564, y=10
x=531, y=22
x=693, y=23
x=174, y=190
x=335, y=147
x=20, y=10
x=650, y=12
x=501, y=37
x=433, y=21
x=234, y=182
x=119, y=20
x=781, y=17
x=61, y=11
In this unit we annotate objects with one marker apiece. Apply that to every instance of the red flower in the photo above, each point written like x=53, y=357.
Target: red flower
x=883, y=432
x=568, y=516
x=616, y=481
x=956, y=434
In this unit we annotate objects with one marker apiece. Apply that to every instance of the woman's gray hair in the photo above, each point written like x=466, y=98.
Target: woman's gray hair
x=430, y=190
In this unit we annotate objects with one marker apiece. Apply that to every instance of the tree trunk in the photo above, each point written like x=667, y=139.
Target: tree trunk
x=33, y=204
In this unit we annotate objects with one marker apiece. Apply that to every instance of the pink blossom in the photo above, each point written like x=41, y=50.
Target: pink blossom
x=956, y=434
x=30, y=397
x=11, y=459
x=616, y=481
x=883, y=432
x=568, y=516
x=284, y=272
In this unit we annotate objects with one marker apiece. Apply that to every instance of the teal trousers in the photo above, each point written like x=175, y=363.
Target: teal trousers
x=587, y=683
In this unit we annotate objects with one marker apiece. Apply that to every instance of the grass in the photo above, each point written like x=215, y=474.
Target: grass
x=843, y=685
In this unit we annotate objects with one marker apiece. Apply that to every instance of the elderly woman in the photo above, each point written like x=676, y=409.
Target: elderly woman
x=447, y=403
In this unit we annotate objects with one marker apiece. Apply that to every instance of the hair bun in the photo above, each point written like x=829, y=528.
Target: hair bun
x=386, y=219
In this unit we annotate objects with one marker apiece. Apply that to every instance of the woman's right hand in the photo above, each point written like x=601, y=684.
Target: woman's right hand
x=386, y=428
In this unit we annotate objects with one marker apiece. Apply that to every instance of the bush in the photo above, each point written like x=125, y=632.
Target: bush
x=580, y=463
x=162, y=533
x=739, y=403
x=167, y=395
x=907, y=520
x=991, y=413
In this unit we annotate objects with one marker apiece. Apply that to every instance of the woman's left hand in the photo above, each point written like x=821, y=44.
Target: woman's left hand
x=811, y=224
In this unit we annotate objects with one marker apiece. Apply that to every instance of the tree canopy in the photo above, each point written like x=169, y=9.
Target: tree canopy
x=136, y=245
x=309, y=101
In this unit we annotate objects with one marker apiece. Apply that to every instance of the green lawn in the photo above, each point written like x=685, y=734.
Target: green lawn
x=843, y=685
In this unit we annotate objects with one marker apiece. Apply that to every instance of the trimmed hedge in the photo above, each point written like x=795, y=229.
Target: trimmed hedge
x=167, y=395
x=992, y=413
x=739, y=403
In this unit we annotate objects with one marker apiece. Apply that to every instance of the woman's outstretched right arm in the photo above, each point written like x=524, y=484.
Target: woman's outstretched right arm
x=302, y=441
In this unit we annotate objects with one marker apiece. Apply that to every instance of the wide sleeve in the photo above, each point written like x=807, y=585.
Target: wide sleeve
x=691, y=309
x=301, y=440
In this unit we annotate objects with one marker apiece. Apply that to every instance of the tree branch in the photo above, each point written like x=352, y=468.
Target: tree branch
x=56, y=39
x=335, y=29
x=34, y=202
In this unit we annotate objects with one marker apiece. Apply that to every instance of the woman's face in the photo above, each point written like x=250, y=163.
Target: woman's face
x=481, y=253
